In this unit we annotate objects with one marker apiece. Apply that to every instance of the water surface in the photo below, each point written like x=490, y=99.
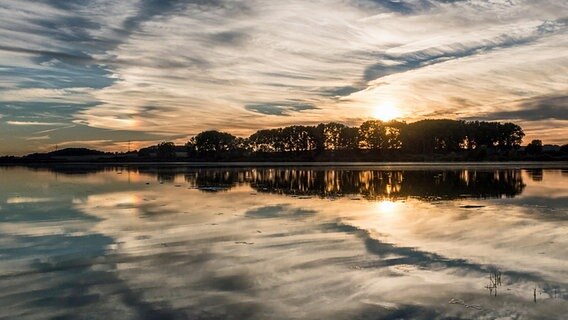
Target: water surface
x=146, y=242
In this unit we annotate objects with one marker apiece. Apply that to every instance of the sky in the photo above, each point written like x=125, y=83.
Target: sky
x=101, y=73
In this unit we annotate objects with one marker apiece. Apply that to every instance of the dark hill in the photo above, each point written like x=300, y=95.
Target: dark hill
x=76, y=152
x=67, y=152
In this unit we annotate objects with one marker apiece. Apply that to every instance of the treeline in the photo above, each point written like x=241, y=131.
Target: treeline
x=371, y=137
x=373, y=140
x=418, y=137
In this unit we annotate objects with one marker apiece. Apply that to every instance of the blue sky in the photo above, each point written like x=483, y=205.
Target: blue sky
x=99, y=73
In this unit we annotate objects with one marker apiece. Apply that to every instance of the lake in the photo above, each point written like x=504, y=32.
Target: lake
x=346, y=242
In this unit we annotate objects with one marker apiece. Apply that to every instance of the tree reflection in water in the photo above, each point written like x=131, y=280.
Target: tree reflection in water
x=428, y=185
x=370, y=184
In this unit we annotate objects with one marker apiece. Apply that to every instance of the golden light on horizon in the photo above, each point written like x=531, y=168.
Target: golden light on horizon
x=386, y=111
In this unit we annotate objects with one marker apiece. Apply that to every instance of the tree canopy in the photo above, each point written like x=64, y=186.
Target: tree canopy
x=425, y=136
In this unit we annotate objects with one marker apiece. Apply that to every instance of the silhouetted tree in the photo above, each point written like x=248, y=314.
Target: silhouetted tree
x=191, y=146
x=481, y=133
x=265, y=141
x=421, y=137
x=425, y=136
x=373, y=135
x=331, y=135
x=443, y=135
x=349, y=138
x=214, y=141
x=534, y=147
x=509, y=136
x=393, y=129
x=298, y=138
x=166, y=150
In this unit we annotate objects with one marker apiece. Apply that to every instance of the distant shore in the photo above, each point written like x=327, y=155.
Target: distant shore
x=350, y=165
x=285, y=159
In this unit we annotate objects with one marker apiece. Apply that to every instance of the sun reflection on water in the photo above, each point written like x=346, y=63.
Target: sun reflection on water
x=387, y=206
x=273, y=232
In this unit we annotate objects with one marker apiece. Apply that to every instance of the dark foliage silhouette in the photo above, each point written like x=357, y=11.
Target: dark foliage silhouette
x=373, y=140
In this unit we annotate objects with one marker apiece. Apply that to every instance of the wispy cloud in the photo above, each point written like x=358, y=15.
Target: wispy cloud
x=46, y=137
x=34, y=123
x=535, y=109
x=178, y=67
x=55, y=129
x=279, y=109
x=20, y=200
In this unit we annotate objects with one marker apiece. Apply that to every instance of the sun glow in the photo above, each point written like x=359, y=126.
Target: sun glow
x=386, y=111
x=387, y=206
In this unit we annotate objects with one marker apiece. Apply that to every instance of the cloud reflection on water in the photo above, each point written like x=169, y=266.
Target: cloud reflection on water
x=175, y=251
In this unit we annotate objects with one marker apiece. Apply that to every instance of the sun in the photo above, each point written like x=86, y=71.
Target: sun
x=386, y=111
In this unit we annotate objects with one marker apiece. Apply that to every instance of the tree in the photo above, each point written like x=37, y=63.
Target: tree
x=482, y=133
x=535, y=147
x=242, y=145
x=349, y=138
x=425, y=136
x=510, y=136
x=330, y=135
x=393, y=134
x=191, y=146
x=265, y=141
x=166, y=150
x=298, y=138
x=214, y=141
x=373, y=135
x=444, y=135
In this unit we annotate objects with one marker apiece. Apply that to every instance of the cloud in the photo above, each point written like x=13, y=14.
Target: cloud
x=46, y=137
x=239, y=66
x=47, y=95
x=342, y=91
x=21, y=200
x=149, y=9
x=279, y=109
x=393, y=64
x=279, y=211
x=51, y=54
x=230, y=38
x=34, y=123
x=535, y=109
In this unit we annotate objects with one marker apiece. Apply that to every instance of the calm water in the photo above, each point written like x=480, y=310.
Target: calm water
x=284, y=243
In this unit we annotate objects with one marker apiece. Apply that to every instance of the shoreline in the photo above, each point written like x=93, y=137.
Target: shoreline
x=276, y=164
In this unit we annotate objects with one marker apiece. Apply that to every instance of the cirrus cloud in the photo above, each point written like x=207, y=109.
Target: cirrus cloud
x=174, y=68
